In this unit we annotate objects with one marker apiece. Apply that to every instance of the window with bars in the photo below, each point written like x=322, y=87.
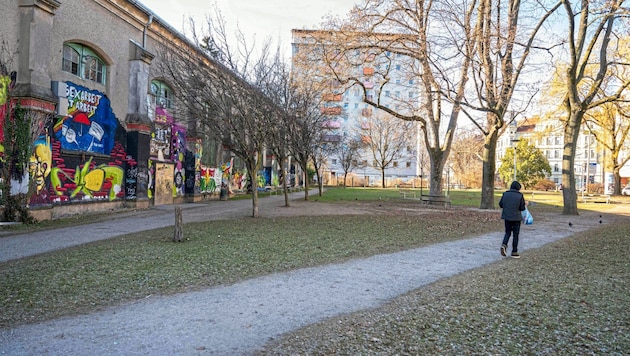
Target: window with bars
x=83, y=62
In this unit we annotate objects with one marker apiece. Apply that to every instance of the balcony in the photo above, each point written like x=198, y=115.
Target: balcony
x=331, y=111
x=332, y=97
x=368, y=71
x=331, y=124
x=332, y=138
x=367, y=112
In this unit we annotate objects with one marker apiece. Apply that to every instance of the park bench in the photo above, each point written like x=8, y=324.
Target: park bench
x=409, y=193
x=436, y=199
x=591, y=198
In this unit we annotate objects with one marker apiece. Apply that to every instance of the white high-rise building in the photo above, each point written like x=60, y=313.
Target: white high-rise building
x=347, y=110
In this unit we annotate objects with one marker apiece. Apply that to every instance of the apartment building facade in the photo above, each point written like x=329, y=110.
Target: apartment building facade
x=348, y=113
x=548, y=136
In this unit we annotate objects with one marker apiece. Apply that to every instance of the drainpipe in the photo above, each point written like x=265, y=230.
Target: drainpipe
x=144, y=32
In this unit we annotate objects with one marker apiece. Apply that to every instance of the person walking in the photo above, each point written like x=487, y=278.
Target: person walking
x=513, y=203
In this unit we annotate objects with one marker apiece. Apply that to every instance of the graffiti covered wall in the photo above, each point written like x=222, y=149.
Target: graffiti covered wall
x=79, y=158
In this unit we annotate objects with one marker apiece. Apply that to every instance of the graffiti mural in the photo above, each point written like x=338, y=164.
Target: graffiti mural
x=40, y=166
x=93, y=179
x=210, y=180
x=151, y=184
x=178, y=157
x=160, y=144
x=90, y=125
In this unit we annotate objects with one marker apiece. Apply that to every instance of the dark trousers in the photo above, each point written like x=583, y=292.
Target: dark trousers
x=512, y=228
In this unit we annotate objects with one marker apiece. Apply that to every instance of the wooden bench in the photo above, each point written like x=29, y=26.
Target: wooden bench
x=589, y=198
x=409, y=193
x=436, y=199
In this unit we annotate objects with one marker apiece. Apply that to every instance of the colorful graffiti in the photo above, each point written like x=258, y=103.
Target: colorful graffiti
x=56, y=182
x=89, y=181
x=151, y=185
x=40, y=166
x=160, y=144
x=178, y=157
x=90, y=125
x=210, y=180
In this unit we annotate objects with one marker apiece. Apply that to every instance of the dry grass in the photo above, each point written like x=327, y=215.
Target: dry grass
x=569, y=297
x=105, y=273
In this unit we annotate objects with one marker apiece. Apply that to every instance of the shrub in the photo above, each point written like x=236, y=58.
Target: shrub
x=545, y=184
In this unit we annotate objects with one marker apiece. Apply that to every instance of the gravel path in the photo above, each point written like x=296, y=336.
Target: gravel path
x=240, y=318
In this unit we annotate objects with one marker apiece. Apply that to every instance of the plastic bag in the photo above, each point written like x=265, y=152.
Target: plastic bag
x=528, y=219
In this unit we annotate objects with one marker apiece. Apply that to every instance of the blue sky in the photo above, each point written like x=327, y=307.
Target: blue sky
x=275, y=18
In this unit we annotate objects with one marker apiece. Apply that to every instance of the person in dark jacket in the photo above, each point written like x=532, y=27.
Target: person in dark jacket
x=512, y=202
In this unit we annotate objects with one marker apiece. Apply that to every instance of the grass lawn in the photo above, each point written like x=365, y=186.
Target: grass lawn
x=568, y=297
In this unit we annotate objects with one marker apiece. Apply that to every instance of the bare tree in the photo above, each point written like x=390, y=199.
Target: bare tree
x=218, y=95
x=305, y=123
x=309, y=115
x=466, y=157
x=274, y=80
x=503, y=40
x=347, y=152
x=418, y=38
x=610, y=124
x=386, y=138
x=593, y=31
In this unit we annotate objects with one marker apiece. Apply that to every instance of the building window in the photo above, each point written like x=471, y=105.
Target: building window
x=395, y=164
x=556, y=168
x=83, y=62
x=162, y=94
x=334, y=161
x=408, y=164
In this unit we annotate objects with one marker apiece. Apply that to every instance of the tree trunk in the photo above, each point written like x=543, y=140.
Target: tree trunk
x=617, y=178
x=383, y=178
x=489, y=170
x=320, y=183
x=282, y=164
x=179, y=229
x=569, y=194
x=435, y=172
x=305, y=181
x=251, y=172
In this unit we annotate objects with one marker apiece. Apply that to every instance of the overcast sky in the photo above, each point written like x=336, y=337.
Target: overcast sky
x=275, y=18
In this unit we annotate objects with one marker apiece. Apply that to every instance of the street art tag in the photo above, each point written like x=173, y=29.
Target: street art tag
x=90, y=125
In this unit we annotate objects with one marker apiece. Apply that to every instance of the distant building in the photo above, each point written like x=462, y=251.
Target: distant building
x=548, y=136
x=346, y=107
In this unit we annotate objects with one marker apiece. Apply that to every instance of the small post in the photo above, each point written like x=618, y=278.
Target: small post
x=179, y=231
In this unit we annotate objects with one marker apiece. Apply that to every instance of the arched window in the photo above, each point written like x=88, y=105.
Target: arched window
x=162, y=94
x=83, y=62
